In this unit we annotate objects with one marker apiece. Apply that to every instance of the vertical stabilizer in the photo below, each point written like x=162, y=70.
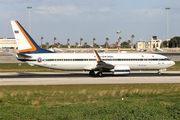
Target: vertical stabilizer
x=26, y=45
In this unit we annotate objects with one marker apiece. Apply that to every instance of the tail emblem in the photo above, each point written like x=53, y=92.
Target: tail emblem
x=16, y=32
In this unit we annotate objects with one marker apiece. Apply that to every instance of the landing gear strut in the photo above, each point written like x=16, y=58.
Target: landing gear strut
x=91, y=73
x=160, y=70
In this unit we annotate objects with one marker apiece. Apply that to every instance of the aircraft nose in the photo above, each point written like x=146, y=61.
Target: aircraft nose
x=172, y=63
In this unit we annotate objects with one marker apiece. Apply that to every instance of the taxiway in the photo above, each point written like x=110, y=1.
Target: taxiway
x=59, y=78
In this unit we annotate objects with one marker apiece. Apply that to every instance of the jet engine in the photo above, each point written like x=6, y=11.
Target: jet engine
x=121, y=69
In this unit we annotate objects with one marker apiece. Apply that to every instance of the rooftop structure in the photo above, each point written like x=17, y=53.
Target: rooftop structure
x=7, y=43
x=149, y=45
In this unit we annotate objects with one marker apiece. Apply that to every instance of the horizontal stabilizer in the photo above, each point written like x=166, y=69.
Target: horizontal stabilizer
x=19, y=55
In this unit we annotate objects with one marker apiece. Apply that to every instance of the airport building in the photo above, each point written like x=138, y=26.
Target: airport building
x=7, y=43
x=149, y=45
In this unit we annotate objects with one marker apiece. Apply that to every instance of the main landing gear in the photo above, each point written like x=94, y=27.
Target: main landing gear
x=92, y=73
x=99, y=74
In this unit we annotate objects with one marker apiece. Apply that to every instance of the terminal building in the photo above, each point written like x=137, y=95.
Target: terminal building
x=149, y=45
x=8, y=43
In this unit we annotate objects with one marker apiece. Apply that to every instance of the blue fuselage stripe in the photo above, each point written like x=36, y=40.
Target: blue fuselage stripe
x=95, y=60
x=122, y=71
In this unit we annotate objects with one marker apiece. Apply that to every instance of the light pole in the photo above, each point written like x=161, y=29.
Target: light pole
x=167, y=27
x=29, y=20
x=118, y=32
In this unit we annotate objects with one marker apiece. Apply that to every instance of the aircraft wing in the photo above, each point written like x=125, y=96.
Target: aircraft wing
x=101, y=65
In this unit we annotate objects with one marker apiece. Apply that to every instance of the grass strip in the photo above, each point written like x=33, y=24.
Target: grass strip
x=141, y=101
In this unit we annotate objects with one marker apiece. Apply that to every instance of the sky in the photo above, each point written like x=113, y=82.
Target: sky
x=88, y=19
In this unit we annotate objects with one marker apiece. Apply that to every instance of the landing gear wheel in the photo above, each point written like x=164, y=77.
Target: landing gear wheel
x=91, y=73
x=159, y=73
x=99, y=74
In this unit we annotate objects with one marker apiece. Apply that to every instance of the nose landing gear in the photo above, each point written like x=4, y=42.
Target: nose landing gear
x=159, y=72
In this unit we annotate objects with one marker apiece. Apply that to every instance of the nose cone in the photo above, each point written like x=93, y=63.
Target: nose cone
x=172, y=63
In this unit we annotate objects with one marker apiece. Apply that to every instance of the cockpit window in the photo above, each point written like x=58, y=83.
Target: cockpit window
x=167, y=59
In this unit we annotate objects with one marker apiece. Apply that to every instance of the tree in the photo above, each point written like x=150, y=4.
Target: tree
x=173, y=42
x=47, y=45
x=72, y=46
x=85, y=44
x=164, y=43
x=107, y=42
x=178, y=40
x=41, y=40
x=116, y=44
x=43, y=46
x=81, y=39
x=58, y=45
x=76, y=44
x=51, y=46
x=95, y=45
x=132, y=41
x=120, y=38
x=161, y=45
x=93, y=41
x=125, y=44
x=68, y=42
x=129, y=41
x=63, y=46
x=54, y=41
x=105, y=45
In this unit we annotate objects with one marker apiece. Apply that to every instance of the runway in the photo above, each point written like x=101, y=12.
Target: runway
x=62, y=78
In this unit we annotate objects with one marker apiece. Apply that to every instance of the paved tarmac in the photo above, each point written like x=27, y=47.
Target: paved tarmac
x=61, y=78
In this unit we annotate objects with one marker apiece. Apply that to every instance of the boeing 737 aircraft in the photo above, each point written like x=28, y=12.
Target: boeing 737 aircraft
x=117, y=63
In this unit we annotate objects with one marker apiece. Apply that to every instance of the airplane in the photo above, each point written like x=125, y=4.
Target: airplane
x=116, y=63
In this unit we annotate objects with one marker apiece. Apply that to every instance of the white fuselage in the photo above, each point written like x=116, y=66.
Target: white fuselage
x=87, y=61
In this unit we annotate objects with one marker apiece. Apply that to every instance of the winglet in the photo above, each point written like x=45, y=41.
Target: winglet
x=98, y=57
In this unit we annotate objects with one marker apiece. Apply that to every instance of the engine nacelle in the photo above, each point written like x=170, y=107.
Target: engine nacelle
x=121, y=69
